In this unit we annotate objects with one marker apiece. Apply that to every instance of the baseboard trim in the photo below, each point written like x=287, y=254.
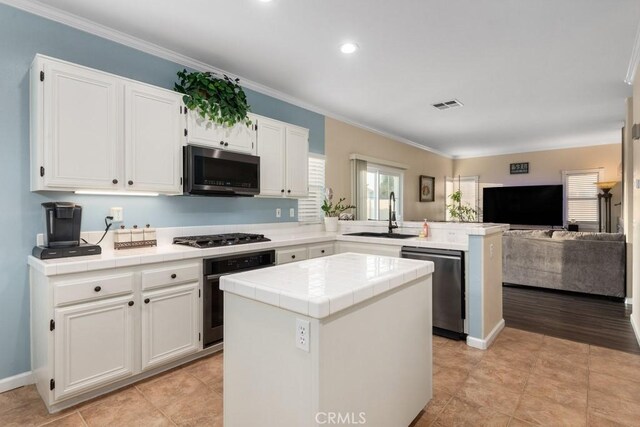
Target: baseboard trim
x=628, y=301
x=9, y=383
x=635, y=328
x=484, y=344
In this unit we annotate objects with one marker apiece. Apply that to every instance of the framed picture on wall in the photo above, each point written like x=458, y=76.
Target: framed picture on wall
x=427, y=188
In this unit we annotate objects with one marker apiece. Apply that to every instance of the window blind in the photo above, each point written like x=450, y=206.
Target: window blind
x=309, y=207
x=581, y=196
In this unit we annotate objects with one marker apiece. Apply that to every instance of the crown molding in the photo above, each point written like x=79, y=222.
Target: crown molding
x=525, y=150
x=634, y=62
x=91, y=27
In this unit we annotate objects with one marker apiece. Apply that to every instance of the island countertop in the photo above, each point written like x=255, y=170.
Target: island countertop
x=324, y=286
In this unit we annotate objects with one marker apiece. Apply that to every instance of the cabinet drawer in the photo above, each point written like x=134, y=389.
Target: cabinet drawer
x=291, y=255
x=92, y=289
x=170, y=275
x=317, y=251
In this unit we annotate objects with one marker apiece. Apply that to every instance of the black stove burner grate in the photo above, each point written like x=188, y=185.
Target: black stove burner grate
x=215, y=240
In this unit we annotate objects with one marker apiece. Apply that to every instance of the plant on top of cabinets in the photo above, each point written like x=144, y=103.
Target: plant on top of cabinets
x=218, y=112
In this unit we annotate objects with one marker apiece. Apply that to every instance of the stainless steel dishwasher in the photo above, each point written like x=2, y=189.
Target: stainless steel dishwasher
x=448, y=289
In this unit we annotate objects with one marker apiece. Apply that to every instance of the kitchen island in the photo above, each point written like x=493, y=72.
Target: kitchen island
x=344, y=338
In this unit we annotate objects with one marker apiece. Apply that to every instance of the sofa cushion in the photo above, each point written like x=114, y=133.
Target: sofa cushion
x=529, y=233
x=580, y=235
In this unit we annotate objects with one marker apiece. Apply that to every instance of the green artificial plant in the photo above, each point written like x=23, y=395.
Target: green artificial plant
x=219, y=99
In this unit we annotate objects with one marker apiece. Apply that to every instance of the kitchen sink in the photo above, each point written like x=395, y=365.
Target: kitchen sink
x=385, y=235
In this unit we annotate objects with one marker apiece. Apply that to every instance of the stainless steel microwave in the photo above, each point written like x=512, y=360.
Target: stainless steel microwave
x=213, y=172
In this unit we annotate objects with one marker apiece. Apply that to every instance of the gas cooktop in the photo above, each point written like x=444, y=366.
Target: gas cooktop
x=215, y=240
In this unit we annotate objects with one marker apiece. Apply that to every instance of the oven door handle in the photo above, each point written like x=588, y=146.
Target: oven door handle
x=215, y=276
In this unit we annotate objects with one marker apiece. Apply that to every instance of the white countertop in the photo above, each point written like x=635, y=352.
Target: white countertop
x=281, y=236
x=324, y=286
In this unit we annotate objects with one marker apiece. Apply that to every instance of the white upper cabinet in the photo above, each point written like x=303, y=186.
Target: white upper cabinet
x=271, y=149
x=153, y=127
x=77, y=123
x=297, y=161
x=240, y=138
x=284, y=164
x=95, y=131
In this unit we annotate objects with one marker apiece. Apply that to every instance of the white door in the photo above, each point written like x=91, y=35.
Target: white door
x=154, y=129
x=297, y=164
x=82, y=146
x=271, y=143
x=169, y=324
x=204, y=132
x=93, y=345
x=241, y=138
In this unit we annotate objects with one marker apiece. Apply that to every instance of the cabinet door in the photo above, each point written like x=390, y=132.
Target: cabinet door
x=297, y=162
x=154, y=128
x=93, y=345
x=271, y=143
x=239, y=138
x=169, y=324
x=82, y=146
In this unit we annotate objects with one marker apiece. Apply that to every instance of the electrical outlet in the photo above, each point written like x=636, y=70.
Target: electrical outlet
x=117, y=214
x=278, y=212
x=302, y=334
x=292, y=212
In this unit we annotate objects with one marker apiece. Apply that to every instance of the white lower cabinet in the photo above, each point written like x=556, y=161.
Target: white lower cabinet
x=169, y=324
x=93, y=344
x=92, y=331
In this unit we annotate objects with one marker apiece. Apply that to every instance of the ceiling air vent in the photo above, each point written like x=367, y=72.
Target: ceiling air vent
x=454, y=103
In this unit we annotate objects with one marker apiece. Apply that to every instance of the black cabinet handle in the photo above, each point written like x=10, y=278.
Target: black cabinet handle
x=221, y=142
x=174, y=275
x=97, y=289
x=322, y=251
x=130, y=182
x=147, y=300
x=226, y=144
x=293, y=257
x=282, y=191
x=288, y=191
x=130, y=303
x=115, y=181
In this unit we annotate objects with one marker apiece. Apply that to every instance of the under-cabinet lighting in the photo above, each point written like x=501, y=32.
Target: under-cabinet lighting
x=116, y=193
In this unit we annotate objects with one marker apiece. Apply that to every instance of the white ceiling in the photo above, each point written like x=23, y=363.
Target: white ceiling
x=532, y=74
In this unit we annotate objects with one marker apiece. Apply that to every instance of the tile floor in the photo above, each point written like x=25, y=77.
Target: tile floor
x=524, y=379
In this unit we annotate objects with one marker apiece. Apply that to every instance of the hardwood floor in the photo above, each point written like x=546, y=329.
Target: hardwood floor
x=576, y=317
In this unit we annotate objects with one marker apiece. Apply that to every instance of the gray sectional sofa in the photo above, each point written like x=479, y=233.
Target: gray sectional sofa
x=592, y=263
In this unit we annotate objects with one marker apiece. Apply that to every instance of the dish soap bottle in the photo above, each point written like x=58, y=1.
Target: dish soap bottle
x=425, y=229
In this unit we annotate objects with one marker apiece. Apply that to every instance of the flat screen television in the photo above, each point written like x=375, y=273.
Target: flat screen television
x=526, y=205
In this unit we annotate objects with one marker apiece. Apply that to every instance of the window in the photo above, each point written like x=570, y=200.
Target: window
x=309, y=208
x=468, y=186
x=381, y=181
x=581, y=196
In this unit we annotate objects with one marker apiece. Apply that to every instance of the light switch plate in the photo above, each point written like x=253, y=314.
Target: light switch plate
x=292, y=212
x=278, y=212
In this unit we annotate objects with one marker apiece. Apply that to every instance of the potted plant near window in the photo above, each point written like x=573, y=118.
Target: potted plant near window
x=458, y=211
x=219, y=99
x=332, y=212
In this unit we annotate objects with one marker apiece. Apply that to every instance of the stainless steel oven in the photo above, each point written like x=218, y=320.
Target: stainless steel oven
x=214, y=269
x=213, y=172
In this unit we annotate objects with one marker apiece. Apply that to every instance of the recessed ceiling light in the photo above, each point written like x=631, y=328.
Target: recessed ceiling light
x=348, y=47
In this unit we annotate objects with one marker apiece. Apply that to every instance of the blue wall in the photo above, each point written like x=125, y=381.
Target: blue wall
x=22, y=36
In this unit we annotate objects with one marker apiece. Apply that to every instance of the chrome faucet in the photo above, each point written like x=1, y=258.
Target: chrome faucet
x=392, y=212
